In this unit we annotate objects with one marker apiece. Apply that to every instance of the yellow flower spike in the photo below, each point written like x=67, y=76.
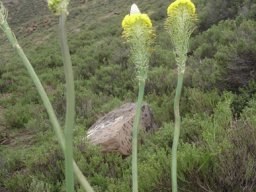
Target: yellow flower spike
x=58, y=6
x=139, y=33
x=173, y=7
x=3, y=13
x=130, y=20
x=180, y=24
x=136, y=18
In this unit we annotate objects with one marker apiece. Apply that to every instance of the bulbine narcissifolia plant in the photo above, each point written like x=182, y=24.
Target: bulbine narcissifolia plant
x=56, y=126
x=180, y=24
x=139, y=34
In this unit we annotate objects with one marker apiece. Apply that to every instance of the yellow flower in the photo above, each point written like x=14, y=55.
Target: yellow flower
x=52, y=4
x=137, y=23
x=136, y=17
x=173, y=7
x=58, y=6
x=130, y=20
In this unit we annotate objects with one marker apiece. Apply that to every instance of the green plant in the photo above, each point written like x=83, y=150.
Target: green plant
x=180, y=25
x=139, y=34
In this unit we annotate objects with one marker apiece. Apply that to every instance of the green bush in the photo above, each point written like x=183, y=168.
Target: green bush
x=17, y=116
x=13, y=175
x=200, y=102
x=112, y=80
x=214, y=11
x=217, y=149
x=249, y=113
x=39, y=186
x=242, y=98
x=222, y=60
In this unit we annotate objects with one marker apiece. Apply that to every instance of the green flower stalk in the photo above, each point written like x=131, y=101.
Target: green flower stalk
x=56, y=126
x=138, y=32
x=180, y=24
x=70, y=105
x=59, y=7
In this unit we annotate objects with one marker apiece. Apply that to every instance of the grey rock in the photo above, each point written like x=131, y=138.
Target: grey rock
x=113, y=131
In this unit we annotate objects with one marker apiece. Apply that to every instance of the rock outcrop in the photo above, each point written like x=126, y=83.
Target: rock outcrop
x=113, y=131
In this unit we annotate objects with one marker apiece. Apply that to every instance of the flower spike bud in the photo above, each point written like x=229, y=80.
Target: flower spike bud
x=179, y=5
x=139, y=33
x=134, y=9
x=3, y=13
x=136, y=17
x=58, y=6
x=180, y=24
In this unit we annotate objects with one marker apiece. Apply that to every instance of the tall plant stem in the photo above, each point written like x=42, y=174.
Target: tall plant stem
x=70, y=105
x=176, y=131
x=56, y=126
x=135, y=137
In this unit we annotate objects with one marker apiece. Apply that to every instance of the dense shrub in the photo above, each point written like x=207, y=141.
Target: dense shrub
x=17, y=116
x=214, y=11
x=221, y=59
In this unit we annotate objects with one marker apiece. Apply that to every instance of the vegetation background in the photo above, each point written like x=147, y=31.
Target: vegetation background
x=217, y=152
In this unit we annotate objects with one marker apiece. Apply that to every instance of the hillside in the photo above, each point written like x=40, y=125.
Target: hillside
x=217, y=150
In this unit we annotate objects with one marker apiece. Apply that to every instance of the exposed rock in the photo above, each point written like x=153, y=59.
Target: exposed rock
x=113, y=131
